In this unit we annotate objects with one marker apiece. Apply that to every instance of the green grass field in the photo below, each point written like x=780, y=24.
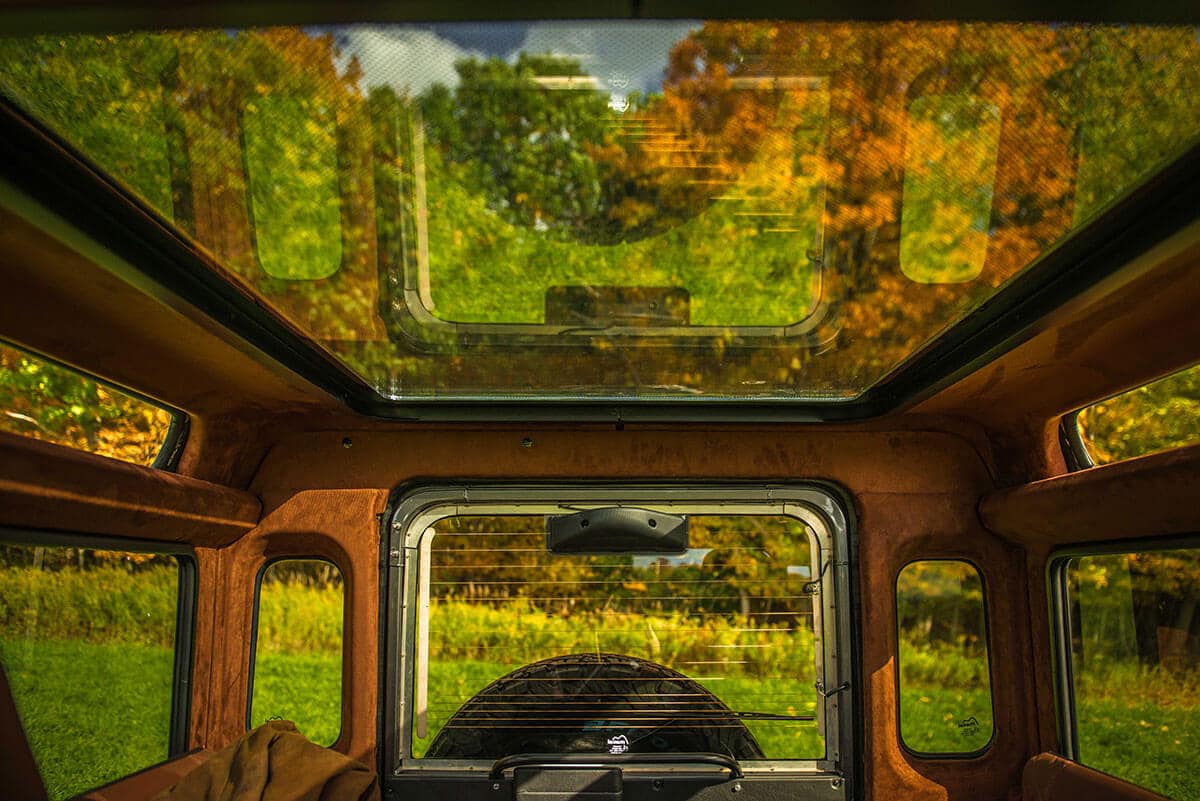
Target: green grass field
x=92, y=717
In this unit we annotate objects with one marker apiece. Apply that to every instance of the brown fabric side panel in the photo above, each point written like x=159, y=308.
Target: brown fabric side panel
x=341, y=526
x=48, y=486
x=1048, y=777
x=1150, y=495
x=896, y=529
x=21, y=778
x=1045, y=701
x=144, y=785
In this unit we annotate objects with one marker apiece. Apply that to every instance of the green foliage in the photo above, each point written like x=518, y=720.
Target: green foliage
x=305, y=688
x=93, y=712
x=39, y=399
x=298, y=615
x=935, y=719
x=746, y=181
x=106, y=94
x=115, y=689
x=291, y=171
x=466, y=631
x=103, y=604
x=1163, y=414
x=523, y=145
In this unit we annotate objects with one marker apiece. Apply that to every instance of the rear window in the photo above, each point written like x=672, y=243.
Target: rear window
x=715, y=648
x=46, y=401
x=1157, y=416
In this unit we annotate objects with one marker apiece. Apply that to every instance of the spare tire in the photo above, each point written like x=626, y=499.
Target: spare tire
x=593, y=703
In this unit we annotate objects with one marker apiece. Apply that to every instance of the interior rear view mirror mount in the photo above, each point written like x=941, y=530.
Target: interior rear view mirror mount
x=617, y=529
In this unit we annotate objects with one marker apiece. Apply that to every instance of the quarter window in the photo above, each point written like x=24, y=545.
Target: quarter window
x=297, y=670
x=1161, y=415
x=945, y=682
x=1132, y=635
x=46, y=401
x=90, y=642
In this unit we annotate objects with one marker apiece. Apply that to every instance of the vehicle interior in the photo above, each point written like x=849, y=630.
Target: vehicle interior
x=639, y=399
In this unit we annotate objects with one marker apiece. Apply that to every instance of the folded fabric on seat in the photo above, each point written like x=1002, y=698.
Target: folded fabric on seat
x=275, y=762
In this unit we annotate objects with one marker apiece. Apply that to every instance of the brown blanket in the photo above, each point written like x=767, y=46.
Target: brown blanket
x=276, y=763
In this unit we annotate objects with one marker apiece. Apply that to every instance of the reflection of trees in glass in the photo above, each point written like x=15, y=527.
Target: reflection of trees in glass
x=756, y=121
x=290, y=151
x=951, y=145
x=1140, y=608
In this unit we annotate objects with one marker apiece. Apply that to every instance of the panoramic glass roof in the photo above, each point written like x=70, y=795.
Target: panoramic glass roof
x=622, y=210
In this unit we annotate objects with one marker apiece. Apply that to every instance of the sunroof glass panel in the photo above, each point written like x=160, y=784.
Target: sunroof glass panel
x=626, y=210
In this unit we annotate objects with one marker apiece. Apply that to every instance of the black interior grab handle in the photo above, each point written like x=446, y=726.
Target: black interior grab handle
x=612, y=760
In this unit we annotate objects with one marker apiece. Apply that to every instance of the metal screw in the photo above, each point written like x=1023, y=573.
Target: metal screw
x=835, y=784
x=495, y=785
x=347, y=442
x=737, y=788
x=527, y=442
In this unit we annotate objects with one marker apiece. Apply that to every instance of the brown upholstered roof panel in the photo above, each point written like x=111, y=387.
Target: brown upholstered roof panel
x=1148, y=496
x=47, y=486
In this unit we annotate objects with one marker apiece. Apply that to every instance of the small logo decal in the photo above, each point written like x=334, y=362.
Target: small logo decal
x=969, y=726
x=618, y=744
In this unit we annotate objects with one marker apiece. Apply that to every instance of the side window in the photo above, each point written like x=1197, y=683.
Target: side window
x=93, y=650
x=297, y=670
x=1132, y=632
x=43, y=400
x=945, y=681
x=1158, y=416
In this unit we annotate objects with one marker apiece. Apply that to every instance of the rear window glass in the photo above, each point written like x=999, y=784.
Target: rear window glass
x=711, y=650
x=88, y=639
x=1161, y=415
x=1134, y=644
x=945, y=681
x=46, y=401
x=298, y=648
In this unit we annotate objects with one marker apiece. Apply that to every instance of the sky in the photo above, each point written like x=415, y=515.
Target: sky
x=622, y=56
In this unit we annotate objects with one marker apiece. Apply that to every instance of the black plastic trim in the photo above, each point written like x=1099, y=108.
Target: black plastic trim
x=258, y=580
x=185, y=613
x=69, y=185
x=172, y=448
x=1075, y=450
x=987, y=630
x=37, y=17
